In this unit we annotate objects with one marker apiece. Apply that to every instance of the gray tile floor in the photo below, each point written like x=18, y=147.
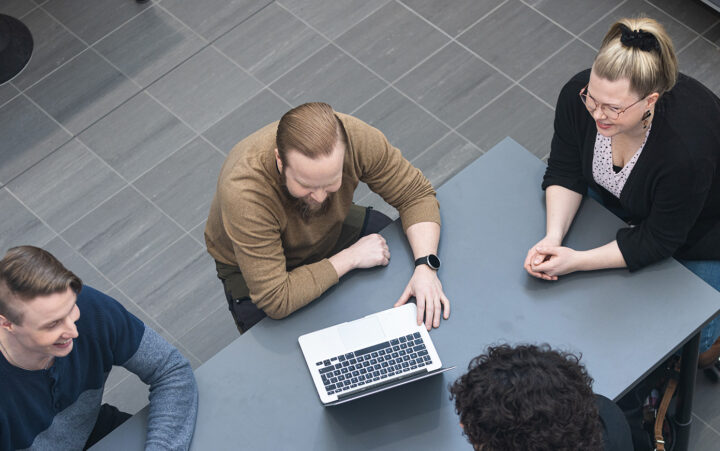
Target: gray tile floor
x=114, y=134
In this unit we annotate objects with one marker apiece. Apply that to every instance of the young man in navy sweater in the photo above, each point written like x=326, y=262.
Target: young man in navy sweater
x=58, y=342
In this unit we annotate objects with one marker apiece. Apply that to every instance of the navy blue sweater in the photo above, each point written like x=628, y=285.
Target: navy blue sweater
x=57, y=408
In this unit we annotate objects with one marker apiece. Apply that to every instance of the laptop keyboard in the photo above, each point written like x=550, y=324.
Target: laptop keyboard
x=374, y=363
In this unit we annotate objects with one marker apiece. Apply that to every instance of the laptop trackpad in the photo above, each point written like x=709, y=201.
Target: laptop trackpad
x=361, y=333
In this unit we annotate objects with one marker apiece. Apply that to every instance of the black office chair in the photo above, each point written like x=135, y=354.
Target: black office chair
x=16, y=46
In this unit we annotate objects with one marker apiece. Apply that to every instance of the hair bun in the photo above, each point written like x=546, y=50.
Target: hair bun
x=640, y=39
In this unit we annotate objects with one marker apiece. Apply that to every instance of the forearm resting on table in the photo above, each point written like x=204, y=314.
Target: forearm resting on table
x=423, y=238
x=562, y=204
x=603, y=257
x=343, y=262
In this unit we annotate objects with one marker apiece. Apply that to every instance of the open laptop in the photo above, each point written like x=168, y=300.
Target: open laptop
x=369, y=355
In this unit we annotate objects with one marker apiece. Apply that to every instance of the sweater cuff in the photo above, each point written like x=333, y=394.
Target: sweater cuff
x=325, y=275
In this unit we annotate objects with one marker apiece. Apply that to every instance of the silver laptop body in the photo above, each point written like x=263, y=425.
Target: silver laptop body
x=369, y=355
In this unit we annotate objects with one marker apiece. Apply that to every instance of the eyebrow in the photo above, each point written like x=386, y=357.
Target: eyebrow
x=64, y=316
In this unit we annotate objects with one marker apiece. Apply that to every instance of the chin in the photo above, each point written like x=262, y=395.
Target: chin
x=62, y=352
x=609, y=132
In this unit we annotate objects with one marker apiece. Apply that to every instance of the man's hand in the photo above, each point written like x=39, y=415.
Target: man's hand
x=425, y=286
x=556, y=261
x=367, y=252
x=370, y=251
x=535, y=257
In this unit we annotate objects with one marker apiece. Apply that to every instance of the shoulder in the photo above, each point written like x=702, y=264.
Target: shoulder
x=360, y=134
x=249, y=178
x=573, y=86
x=248, y=158
x=103, y=316
x=689, y=120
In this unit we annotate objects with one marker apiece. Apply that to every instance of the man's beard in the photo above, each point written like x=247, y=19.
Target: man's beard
x=307, y=210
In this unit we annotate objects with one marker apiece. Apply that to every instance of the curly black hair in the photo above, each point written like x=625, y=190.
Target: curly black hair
x=527, y=398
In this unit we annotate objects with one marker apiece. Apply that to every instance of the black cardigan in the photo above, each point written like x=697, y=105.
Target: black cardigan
x=673, y=193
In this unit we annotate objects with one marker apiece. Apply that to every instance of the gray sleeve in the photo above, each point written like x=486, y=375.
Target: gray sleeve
x=173, y=392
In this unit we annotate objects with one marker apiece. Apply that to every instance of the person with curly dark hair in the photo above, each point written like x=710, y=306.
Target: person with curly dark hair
x=533, y=398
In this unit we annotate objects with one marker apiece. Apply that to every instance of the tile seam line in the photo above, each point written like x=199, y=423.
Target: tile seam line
x=81, y=40
x=18, y=94
x=109, y=166
x=56, y=234
x=107, y=390
x=370, y=13
x=709, y=426
x=132, y=80
x=603, y=17
x=141, y=90
x=92, y=265
x=69, y=135
x=127, y=183
x=450, y=133
x=389, y=84
x=480, y=19
x=692, y=30
x=454, y=39
x=210, y=44
x=219, y=307
x=401, y=76
x=692, y=41
x=152, y=5
x=26, y=13
x=163, y=328
x=556, y=23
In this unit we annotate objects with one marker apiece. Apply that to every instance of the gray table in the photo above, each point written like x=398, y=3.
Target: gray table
x=257, y=393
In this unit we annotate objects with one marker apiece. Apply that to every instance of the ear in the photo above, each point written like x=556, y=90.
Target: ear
x=652, y=98
x=6, y=324
x=278, y=161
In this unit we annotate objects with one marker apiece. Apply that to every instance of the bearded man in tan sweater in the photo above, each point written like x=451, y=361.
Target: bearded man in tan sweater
x=283, y=229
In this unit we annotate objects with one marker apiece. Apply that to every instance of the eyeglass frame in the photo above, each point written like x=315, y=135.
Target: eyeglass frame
x=602, y=106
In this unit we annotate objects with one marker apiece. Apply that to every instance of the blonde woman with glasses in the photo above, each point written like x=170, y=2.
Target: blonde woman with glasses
x=644, y=140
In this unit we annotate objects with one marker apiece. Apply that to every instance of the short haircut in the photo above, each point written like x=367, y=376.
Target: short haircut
x=27, y=272
x=527, y=398
x=312, y=129
x=648, y=71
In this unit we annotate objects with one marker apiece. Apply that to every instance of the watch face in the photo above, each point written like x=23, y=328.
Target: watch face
x=433, y=261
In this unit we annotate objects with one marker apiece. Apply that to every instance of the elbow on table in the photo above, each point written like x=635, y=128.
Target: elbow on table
x=278, y=306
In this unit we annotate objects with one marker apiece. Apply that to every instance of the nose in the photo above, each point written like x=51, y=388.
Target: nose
x=319, y=195
x=598, y=114
x=70, y=330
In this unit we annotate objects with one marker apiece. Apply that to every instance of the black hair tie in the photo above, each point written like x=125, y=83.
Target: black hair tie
x=640, y=39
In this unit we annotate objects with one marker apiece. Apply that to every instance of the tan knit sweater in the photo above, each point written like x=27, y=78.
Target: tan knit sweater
x=282, y=256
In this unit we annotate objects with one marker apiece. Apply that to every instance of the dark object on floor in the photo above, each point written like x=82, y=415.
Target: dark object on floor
x=16, y=46
x=142, y=1
x=647, y=408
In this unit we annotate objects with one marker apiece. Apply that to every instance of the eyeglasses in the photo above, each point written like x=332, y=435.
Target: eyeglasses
x=612, y=112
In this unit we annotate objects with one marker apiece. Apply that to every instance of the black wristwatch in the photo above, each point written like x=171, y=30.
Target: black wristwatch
x=431, y=260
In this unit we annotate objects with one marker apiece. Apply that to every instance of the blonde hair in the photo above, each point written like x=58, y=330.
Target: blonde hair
x=649, y=62
x=312, y=129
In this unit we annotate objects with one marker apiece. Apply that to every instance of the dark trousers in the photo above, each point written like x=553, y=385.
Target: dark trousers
x=360, y=222
x=108, y=419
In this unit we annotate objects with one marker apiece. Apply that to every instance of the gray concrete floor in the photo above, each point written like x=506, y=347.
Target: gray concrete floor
x=114, y=134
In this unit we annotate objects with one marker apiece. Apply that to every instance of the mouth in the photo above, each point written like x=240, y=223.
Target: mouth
x=602, y=125
x=63, y=344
